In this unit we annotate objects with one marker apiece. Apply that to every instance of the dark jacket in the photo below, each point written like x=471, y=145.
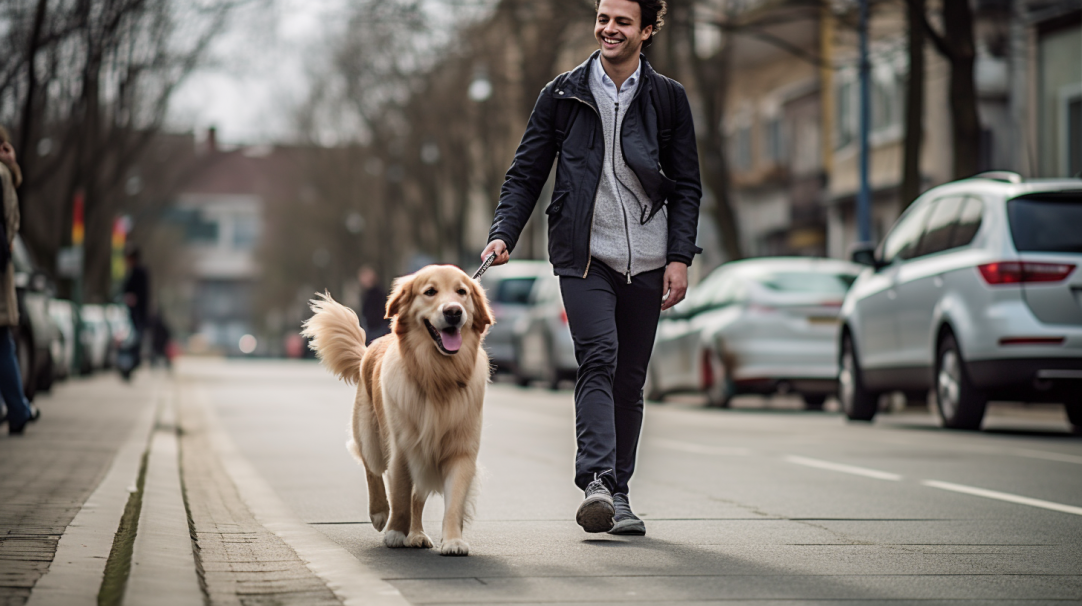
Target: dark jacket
x=672, y=179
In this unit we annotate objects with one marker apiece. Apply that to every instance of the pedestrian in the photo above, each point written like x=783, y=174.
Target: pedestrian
x=621, y=224
x=137, y=298
x=19, y=409
x=160, y=337
x=373, y=304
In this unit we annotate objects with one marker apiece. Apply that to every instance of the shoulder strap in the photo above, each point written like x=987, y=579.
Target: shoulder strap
x=563, y=119
x=663, y=107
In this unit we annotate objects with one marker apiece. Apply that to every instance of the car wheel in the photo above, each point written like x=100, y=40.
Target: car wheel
x=720, y=393
x=857, y=402
x=814, y=401
x=1074, y=415
x=24, y=352
x=960, y=404
x=47, y=374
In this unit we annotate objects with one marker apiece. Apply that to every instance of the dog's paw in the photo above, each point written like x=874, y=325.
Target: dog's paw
x=379, y=520
x=418, y=539
x=455, y=547
x=394, y=538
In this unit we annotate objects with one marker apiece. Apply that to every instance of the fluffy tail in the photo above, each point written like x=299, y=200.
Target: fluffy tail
x=336, y=337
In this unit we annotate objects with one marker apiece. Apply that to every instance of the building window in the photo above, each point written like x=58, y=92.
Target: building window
x=774, y=141
x=245, y=232
x=742, y=148
x=197, y=228
x=845, y=110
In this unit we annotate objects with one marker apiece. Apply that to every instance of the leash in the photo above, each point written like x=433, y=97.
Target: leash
x=484, y=266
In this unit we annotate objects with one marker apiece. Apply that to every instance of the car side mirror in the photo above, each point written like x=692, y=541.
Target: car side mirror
x=864, y=254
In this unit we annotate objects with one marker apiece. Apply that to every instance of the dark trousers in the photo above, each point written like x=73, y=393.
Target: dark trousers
x=613, y=324
x=11, y=382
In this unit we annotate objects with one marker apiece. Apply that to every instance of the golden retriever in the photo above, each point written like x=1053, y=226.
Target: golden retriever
x=417, y=414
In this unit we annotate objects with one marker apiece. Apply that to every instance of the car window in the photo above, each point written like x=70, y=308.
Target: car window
x=547, y=290
x=808, y=282
x=941, y=220
x=1047, y=222
x=700, y=296
x=515, y=291
x=901, y=243
x=969, y=221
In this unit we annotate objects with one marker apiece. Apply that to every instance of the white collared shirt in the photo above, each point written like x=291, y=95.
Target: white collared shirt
x=606, y=82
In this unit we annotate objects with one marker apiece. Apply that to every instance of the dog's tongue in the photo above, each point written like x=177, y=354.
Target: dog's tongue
x=452, y=339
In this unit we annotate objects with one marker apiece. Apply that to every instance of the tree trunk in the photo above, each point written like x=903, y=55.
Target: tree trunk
x=29, y=115
x=965, y=124
x=914, y=104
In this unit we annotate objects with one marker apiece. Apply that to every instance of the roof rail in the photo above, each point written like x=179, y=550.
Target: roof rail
x=1005, y=176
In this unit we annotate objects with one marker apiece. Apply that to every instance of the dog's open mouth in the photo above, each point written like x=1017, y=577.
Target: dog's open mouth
x=449, y=340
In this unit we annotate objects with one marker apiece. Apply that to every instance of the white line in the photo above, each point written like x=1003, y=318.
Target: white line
x=353, y=582
x=859, y=471
x=725, y=451
x=1003, y=496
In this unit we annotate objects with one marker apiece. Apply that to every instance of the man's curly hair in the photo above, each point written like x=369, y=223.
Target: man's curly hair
x=653, y=13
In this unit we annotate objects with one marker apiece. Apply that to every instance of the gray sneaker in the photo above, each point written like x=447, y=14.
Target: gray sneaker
x=625, y=521
x=596, y=511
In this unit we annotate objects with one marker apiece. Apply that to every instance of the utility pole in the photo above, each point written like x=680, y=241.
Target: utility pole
x=864, y=226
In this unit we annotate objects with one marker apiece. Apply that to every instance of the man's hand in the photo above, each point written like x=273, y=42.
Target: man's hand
x=502, y=256
x=676, y=284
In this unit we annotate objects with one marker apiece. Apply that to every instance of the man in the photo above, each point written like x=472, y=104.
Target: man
x=373, y=305
x=621, y=234
x=19, y=410
x=137, y=298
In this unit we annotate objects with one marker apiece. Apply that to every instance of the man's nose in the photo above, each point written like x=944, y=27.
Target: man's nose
x=453, y=315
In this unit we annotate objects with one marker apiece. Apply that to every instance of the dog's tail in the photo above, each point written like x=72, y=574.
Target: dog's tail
x=336, y=337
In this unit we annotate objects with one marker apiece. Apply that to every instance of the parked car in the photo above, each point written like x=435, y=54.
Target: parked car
x=36, y=332
x=118, y=318
x=508, y=288
x=95, y=338
x=754, y=326
x=541, y=339
x=975, y=293
x=63, y=317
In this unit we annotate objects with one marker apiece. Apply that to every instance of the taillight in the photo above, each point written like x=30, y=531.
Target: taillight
x=707, y=370
x=1017, y=272
x=563, y=316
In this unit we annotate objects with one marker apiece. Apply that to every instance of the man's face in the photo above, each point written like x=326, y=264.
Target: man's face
x=619, y=30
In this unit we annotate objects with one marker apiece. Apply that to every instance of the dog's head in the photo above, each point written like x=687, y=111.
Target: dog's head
x=442, y=301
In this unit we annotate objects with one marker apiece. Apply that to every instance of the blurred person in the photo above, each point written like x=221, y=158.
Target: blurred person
x=137, y=298
x=622, y=227
x=160, y=337
x=19, y=409
x=373, y=304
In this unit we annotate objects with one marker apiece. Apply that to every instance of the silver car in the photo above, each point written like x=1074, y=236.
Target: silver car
x=508, y=288
x=754, y=326
x=543, y=349
x=975, y=294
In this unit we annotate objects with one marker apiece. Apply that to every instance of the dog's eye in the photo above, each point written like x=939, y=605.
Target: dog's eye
x=431, y=292
x=462, y=291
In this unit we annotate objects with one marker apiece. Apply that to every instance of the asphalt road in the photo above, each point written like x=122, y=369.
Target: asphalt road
x=763, y=503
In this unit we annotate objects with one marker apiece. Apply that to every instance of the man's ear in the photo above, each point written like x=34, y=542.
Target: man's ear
x=482, y=313
x=401, y=296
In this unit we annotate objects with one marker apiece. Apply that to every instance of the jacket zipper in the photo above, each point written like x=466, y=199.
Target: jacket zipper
x=593, y=210
x=619, y=196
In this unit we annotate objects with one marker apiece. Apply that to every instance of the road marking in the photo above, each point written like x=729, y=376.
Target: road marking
x=1003, y=496
x=859, y=471
x=1048, y=456
x=725, y=451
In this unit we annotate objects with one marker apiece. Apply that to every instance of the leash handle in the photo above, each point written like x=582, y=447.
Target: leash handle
x=484, y=266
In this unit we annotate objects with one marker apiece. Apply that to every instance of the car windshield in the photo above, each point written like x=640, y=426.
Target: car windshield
x=1047, y=222
x=514, y=291
x=807, y=282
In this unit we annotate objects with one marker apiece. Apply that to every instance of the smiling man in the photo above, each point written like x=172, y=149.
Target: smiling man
x=622, y=225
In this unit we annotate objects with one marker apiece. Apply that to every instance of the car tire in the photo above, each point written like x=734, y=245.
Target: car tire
x=1074, y=415
x=857, y=402
x=720, y=393
x=24, y=352
x=814, y=401
x=47, y=374
x=961, y=405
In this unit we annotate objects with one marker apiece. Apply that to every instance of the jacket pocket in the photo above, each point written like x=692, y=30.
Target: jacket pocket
x=557, y=203
x=561, y=230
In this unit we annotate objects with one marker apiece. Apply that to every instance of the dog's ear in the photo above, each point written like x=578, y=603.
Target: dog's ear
x=401, y=296
x=482, y=313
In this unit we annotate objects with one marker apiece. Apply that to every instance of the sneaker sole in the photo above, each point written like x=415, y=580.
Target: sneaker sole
x=631, y=527
x=595, y=515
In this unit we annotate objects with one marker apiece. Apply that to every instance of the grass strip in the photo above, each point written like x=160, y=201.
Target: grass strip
x=118, y=566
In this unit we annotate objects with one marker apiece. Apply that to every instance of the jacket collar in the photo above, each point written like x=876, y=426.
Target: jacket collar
x=578, y=81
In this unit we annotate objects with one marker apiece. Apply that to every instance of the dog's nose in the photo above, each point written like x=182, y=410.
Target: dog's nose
x=453, y=315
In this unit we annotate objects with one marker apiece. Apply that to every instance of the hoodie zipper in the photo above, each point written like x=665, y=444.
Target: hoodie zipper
x=593, y=209
x=619, y=196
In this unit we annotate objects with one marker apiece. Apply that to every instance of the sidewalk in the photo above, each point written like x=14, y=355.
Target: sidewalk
x=48, y=474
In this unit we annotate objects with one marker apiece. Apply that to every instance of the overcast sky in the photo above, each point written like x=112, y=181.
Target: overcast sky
x=257, y=72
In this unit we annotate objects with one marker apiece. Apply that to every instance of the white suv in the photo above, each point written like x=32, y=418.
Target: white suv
x=975, y=294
